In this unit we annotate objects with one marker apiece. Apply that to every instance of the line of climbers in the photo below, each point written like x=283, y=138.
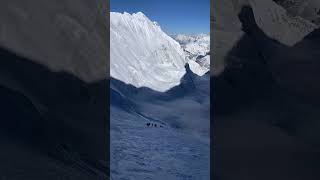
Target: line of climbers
x=153, y=125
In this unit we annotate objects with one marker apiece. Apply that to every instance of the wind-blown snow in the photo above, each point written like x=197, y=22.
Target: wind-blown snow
x=142, y=54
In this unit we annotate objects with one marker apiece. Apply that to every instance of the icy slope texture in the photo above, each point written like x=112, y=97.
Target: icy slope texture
x=142, y=54
x=149, y=63
x=200, y=67
x=183, y=112
x=141, y=152
x=185, y=106
x=290, y=29
x=308, y=9
x=268, y=14
x=196, y=48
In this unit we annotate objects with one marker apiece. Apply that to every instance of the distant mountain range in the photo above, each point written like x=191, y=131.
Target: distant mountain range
x=197, y=49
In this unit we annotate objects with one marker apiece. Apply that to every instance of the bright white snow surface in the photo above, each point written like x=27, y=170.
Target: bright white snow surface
x=148, y=153
x=142, y=54
x=195, y=44
x=178, y=148
x=150, y=84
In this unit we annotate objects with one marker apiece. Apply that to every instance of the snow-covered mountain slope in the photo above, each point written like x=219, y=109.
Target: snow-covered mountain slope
x=141, y=152
x=151, y=83
x=185, y=105
x=266, y=77
x=194, y=44
x=291, y=28
x=307, y=9
x=142, y=54
x=182, y=117
x=197, y=51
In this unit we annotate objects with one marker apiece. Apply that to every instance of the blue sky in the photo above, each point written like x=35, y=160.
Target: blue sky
x=174, y=16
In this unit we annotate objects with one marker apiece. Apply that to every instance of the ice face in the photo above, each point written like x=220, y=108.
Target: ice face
x=142, y=54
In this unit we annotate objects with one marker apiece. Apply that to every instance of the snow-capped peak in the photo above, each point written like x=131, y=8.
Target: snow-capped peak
x=142, y=54
x=140, y=15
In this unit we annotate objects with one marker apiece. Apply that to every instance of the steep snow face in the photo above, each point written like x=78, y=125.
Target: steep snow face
x=142, y=54
x=196, y=48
